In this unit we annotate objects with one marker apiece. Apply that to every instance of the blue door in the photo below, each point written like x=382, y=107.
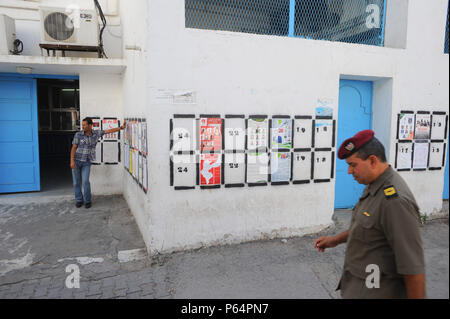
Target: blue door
x=19, y=143
x=355, y=114
x=446, y=176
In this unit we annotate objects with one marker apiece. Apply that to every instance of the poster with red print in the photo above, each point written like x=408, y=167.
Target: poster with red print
x=210, y=169
x=210, y=134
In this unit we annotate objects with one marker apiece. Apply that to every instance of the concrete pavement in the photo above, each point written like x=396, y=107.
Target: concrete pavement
x=40, y=238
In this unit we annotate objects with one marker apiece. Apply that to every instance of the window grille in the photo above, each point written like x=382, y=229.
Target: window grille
x=353, y=21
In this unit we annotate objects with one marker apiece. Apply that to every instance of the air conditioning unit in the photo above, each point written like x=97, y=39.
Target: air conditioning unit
x=69, y=26
x=7, y=34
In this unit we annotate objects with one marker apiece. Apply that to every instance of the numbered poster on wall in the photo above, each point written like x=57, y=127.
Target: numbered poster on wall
x=184, y=171
x=210, y=169
x=404, y=156
x=183, y=134
x=144, y=137
x=139, y=135
x=420, y=160
x=303, y=132
x=324, y=133
x=127, y=132
x=257, y=168
x=301, y=169
x=423, y=125
x=437, y=155
x=235, y=134
x=439, y=126
x=130, y=160
x=145, y=175
x=281, y=133
x=127, y=156
x=134, y=134
x=406, y=126
x=141, y=169
x=323, y=165
x=234, y=169
x=111, y=152
x=258, y=133
x=109, y=124
x=280, y=167
x=210, y=134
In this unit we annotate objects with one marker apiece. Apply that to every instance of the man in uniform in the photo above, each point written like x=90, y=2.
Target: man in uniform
x=81, y=156
x=384, y=257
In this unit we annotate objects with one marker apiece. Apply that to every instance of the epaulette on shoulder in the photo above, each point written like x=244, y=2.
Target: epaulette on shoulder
x=390, y=191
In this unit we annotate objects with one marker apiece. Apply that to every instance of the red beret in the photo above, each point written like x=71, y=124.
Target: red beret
x=353, y=144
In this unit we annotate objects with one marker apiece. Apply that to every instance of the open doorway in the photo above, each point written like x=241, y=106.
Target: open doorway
x=59, y=120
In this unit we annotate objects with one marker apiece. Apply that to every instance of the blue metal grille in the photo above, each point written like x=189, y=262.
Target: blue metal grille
x=353, y=21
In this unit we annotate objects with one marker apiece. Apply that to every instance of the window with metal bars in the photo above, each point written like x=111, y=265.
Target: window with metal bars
x=353, y=21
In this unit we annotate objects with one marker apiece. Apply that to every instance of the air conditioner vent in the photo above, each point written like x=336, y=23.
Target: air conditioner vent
x=59, y=26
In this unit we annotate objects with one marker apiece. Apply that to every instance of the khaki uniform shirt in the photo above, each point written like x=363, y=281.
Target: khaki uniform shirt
x=384, y=231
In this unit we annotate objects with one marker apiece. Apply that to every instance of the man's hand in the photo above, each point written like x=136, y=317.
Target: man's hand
x=325, y=242
x=123, y=126
x=72, y=165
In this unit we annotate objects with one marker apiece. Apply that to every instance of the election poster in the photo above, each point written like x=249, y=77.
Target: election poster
x=257, y=134
x=210, y=169
x=210, y=134
x=406, y=126
x=423, y=126
x=109, y=124
x=281, y=133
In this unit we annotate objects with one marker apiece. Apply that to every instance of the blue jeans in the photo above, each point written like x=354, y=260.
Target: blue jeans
x=81, y=178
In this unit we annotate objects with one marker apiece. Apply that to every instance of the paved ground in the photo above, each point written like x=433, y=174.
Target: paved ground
x=39, y=239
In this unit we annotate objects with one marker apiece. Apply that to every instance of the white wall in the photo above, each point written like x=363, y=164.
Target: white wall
x=233, y=73
x=134, y=17
x=101, y=95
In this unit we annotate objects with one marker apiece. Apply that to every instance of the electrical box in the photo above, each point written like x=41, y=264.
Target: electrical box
x=7, y=34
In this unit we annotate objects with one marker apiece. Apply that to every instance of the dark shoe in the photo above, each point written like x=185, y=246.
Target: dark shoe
x=88, y=205
x=79, y=204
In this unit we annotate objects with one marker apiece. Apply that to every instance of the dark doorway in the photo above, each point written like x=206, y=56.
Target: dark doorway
x=59, y=120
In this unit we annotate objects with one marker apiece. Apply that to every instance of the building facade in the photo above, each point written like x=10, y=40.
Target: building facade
x=183, y=67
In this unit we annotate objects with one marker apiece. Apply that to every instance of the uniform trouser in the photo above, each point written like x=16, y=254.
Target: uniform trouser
x=80, y=177
x=353, y=287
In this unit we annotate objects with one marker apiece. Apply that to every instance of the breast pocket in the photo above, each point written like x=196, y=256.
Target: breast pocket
x=365, y=228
